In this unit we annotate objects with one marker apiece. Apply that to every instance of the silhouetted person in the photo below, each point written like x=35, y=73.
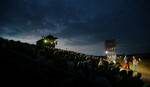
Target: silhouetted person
x=130, y=73
x=130, y=78
x=137, y=81
x=123, y=79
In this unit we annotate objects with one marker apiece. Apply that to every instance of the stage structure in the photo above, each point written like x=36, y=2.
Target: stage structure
x=110, y=47
x=48, y=41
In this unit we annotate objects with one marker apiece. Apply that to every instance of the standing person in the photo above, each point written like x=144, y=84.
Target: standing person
x=126, y=62
x=135, y=62
x=100, y=62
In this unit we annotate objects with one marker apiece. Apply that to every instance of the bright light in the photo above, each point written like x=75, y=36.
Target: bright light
x=106, y=52
x=139, y=59
x=114, y=62
x=45, y=41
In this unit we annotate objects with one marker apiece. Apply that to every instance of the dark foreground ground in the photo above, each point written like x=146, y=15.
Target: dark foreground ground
x=13, y=75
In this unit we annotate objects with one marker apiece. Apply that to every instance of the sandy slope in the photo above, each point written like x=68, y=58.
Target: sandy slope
x=143, y=67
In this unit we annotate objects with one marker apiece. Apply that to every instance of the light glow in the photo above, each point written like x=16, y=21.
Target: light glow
x=45, y=41
x=106, y=52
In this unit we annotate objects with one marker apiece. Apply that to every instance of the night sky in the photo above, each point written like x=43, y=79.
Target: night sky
x=80, y=25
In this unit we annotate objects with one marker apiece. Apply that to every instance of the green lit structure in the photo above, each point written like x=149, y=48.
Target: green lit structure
x=48, y=41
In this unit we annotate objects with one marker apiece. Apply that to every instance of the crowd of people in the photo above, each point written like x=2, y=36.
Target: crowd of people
x=93, y=71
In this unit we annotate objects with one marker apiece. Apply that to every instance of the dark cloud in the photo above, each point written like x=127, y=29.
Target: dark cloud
x=80, y=22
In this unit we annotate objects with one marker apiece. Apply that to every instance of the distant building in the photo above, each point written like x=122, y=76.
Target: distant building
x=110, y=46
x=48, y=41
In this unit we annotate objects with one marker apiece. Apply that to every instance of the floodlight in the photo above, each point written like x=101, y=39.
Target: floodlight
x=45, y=41
x=106, y=52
